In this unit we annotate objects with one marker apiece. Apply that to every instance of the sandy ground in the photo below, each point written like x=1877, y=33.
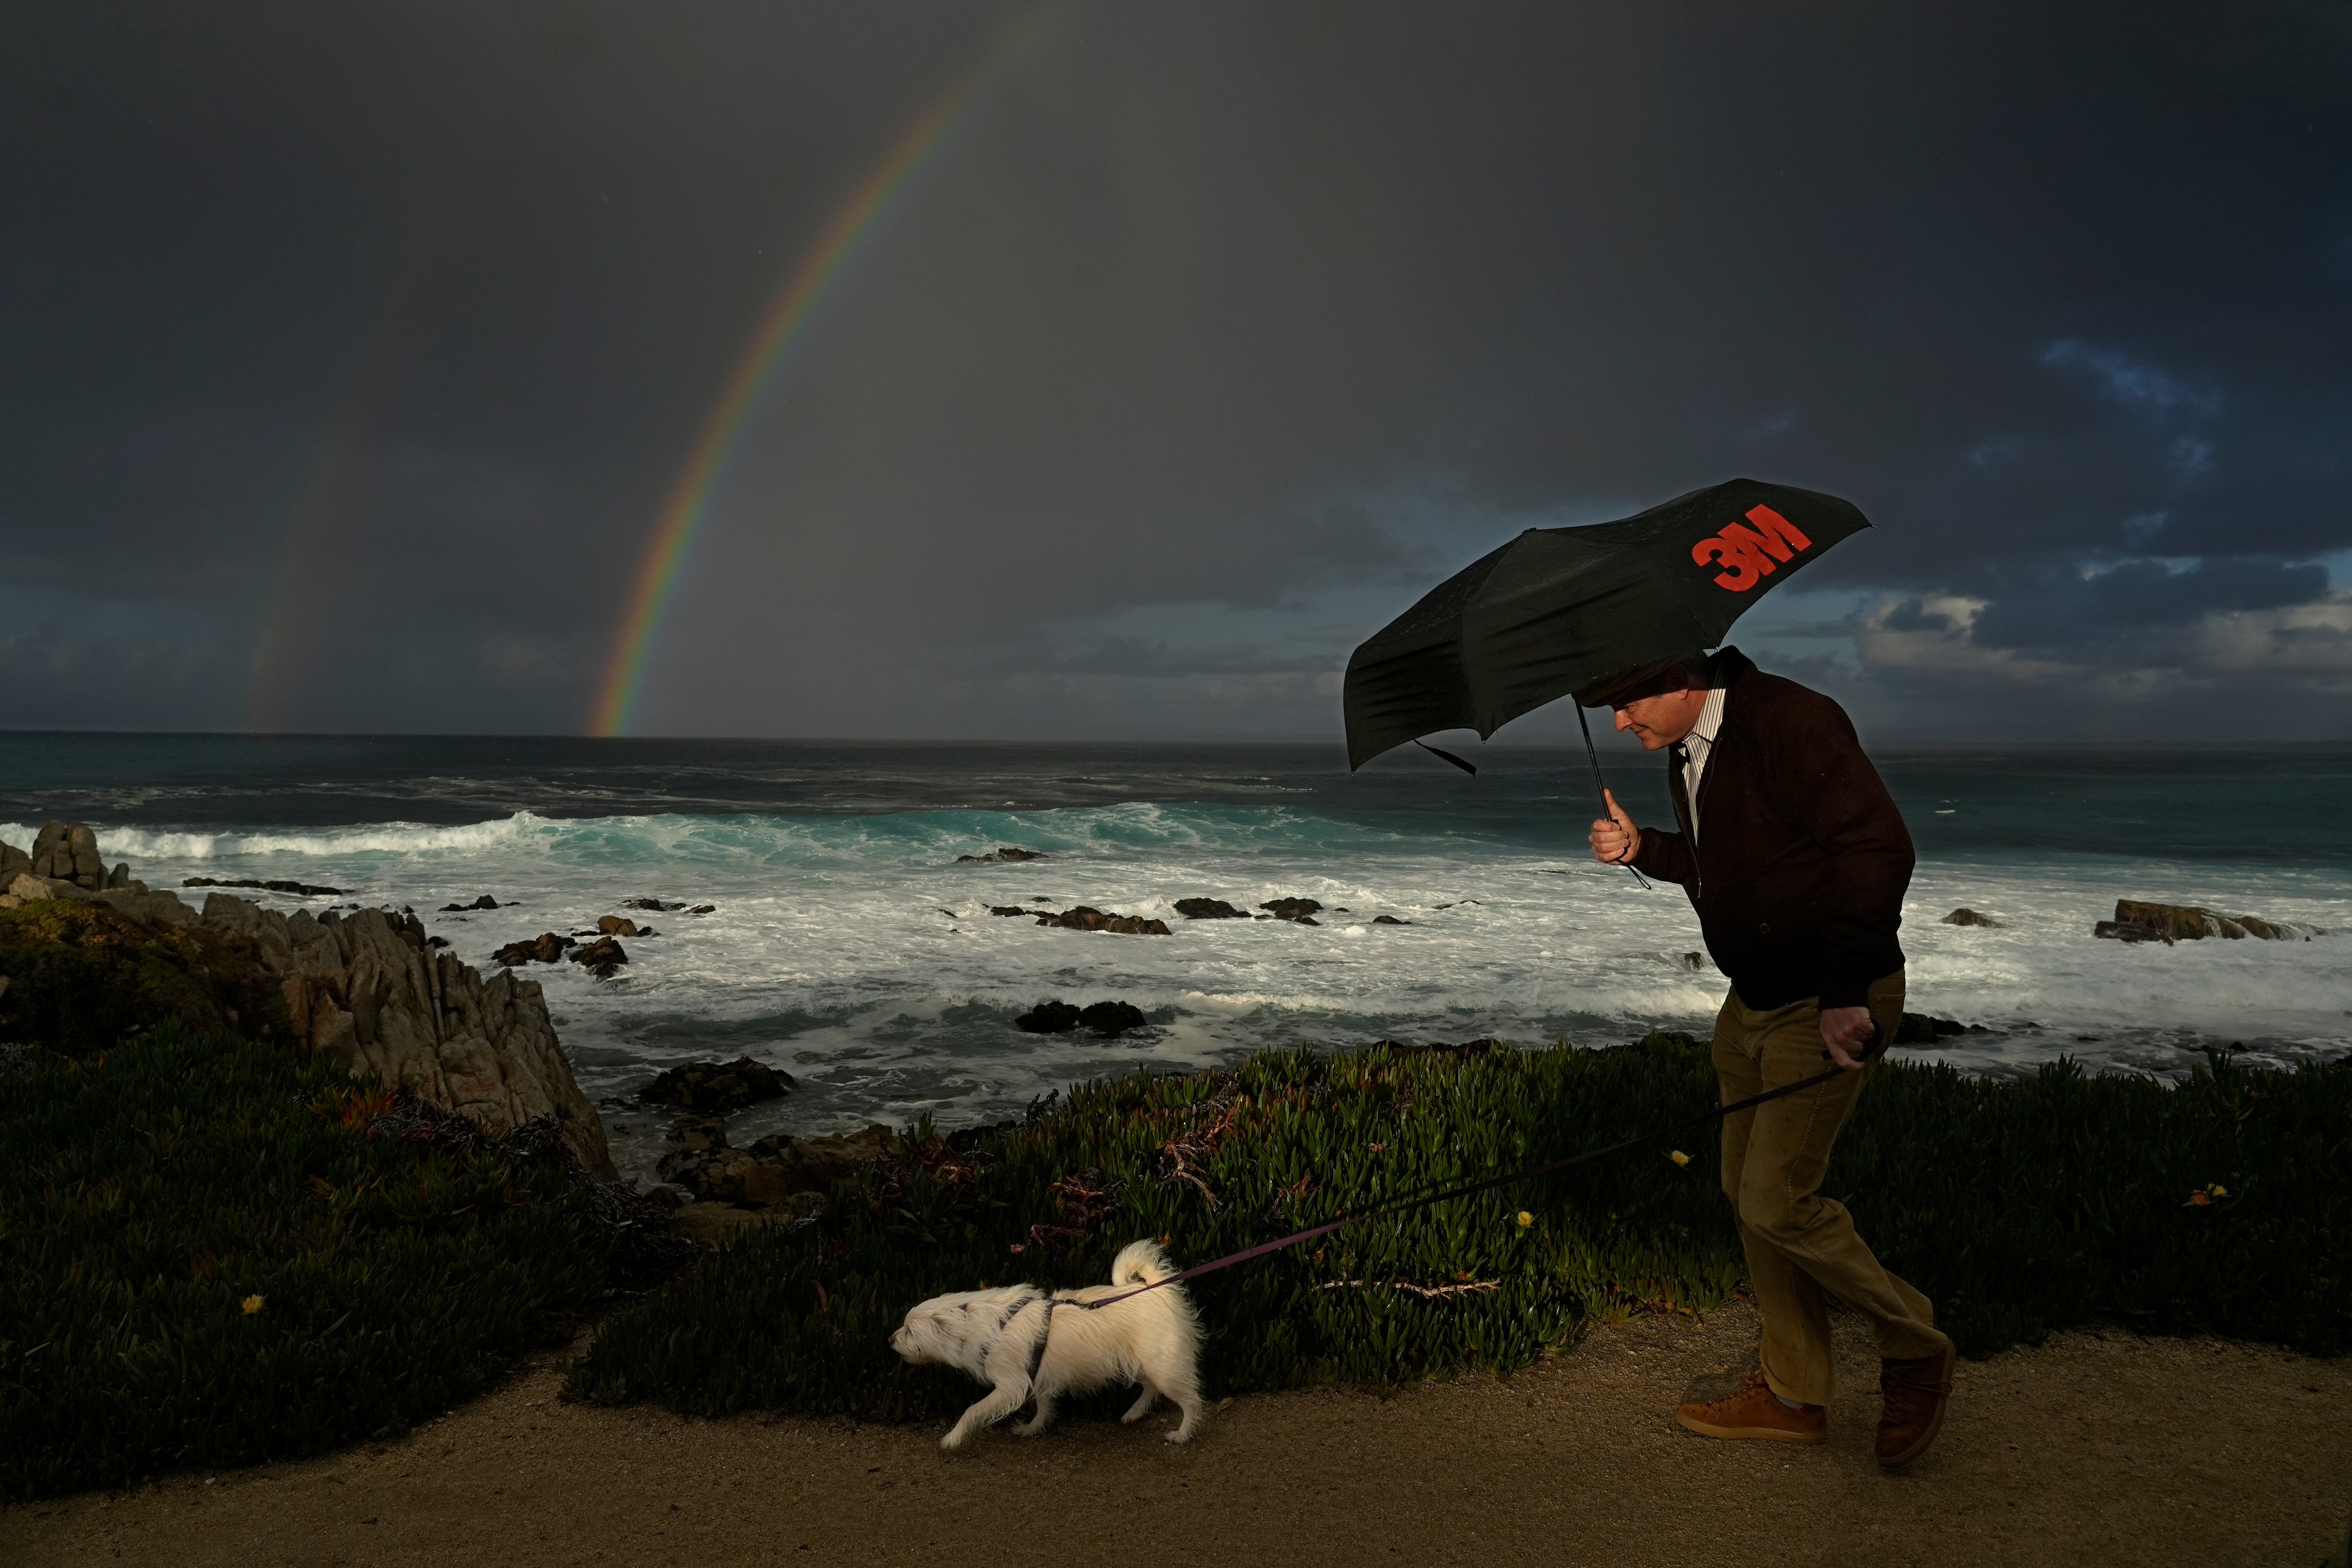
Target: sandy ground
x=2088, y=1450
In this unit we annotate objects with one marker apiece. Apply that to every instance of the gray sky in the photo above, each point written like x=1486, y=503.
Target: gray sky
x=348, y=352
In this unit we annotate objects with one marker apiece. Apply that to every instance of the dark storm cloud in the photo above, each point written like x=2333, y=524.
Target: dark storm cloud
x=1209, y=340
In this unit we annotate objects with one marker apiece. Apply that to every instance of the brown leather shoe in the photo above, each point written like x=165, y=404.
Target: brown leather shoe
x=1915, y=1391
x=1756, y=1412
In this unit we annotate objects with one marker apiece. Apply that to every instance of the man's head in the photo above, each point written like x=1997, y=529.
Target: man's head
x=1661, y=703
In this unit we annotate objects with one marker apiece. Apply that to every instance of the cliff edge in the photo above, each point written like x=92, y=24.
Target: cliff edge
x=362, y=987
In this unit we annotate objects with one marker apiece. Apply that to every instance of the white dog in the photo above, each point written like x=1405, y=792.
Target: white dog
x=1021, y=1342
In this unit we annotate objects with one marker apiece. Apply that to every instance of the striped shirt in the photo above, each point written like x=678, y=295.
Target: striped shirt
x=1694, y=748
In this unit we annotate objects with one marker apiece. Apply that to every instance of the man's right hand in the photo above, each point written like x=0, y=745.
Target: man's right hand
x=1615, y=839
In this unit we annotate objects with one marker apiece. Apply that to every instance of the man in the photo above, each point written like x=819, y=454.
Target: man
x=1797, y=860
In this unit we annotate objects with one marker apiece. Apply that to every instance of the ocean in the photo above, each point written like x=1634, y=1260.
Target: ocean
x=849, y=946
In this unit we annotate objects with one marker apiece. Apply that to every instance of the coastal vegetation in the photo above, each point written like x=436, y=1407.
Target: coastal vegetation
x=2222, y=1204
x=206, y=1259
x=216, y=1248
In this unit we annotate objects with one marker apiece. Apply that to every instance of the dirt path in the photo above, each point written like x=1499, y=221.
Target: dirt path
x=2088, y=1450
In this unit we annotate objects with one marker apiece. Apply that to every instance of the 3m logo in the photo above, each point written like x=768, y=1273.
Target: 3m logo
x=1747, y=554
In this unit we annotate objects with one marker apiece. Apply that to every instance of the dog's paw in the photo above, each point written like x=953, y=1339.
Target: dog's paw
x=954, y=1440
x=1180, y=1436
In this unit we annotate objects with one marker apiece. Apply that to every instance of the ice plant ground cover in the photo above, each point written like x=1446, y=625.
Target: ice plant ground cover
x=2022, y=1207
x=205, y=1260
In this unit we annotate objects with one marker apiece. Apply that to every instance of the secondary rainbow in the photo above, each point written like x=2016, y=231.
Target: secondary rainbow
x=782, y=327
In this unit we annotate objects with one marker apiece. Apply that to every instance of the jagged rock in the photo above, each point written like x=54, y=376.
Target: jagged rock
x=601, y=956
x=1389, y=921
x=696, y=1133
x=1293, y=909
x=2169, y=923
x=1965, y=917
x=305, y=888
x=1006, y=909
x=548, y=949
x=708, y=1087
x=1008, y=855
x=616, y=925
x=68, y=852
x=703, y=910
x=1919, y=1029
x=484, y=902
x=1209, y=909
x=1113, y=1017
x=1086, y=917
x=1048, y=1018
x=14, y=863
x=654, y=904
x=368, y=991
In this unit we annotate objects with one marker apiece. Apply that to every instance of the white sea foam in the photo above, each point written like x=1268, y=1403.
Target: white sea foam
x=858, y=953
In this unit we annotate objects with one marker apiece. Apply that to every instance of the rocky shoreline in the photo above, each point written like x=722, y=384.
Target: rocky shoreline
x=369, y=989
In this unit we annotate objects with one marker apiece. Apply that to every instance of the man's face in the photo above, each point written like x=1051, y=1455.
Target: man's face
x=1662, y=719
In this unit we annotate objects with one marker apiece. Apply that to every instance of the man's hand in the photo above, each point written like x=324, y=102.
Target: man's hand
x=1615, y=839
x=1846, y=1032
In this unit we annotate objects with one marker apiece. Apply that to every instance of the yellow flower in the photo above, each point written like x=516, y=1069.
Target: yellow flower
x=1526, y=1219
x=1679, y=1158
x=252, y=1305
x=2218, y=1190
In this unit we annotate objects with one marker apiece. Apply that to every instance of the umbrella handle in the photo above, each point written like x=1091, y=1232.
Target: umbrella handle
x=1601, y=785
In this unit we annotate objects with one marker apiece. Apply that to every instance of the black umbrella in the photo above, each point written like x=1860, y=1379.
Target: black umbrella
x=1561, y=611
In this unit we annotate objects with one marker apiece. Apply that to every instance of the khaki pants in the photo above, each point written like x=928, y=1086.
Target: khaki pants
x=1801, y=1247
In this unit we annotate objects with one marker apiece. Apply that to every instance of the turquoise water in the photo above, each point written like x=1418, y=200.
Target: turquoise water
x=852, y=947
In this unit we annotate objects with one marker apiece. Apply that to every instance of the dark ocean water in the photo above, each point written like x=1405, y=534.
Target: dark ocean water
x=852, y=948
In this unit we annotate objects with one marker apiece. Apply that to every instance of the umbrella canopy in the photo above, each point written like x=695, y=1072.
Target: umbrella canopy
x=1564, y=610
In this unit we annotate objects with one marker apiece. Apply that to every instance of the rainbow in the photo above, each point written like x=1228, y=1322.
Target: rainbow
x=782, y=328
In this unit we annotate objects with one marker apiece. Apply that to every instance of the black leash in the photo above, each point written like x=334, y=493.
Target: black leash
x=1490, y=1182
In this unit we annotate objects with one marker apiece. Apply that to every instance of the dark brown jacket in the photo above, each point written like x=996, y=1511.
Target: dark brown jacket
x=1802, y=859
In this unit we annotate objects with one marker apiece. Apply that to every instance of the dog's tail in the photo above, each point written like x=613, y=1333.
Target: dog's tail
x=1140, y=1263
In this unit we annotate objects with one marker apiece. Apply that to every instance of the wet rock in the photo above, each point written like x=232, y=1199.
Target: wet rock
x=2169, y=923
x=654, y=904
x=717, y=1086
x=1389, y=921
x=484, y=902
x=1304, y=920
x=1209, y=909
x=703, y=910
x=697, y=1134
x=548, y=949
x=601, y=956
x=1292, y=908
x=304, y=889
x=1086, y=917
x=1008, y=855
x=1048, y=1018
x=1112, y=1018
x=1006, y=909
x=1920, y=1029
x=617, y=925
x=1966, y=916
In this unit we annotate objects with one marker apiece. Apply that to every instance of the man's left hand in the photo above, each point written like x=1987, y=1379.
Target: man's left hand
x=1846, y=1032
